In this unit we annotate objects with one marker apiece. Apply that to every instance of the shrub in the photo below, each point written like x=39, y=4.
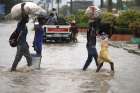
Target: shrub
x=107, y=17
x=70, y=18
x=80, y=18
x=62, y=21
x=134, y=27
x=122, y=30
x=127, y=17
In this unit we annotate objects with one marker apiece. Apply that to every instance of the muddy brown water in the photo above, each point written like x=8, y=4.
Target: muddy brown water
x=61, y=69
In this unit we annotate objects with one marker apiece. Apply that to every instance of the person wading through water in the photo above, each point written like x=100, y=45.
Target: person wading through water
x=104, y=55
x=91, y=46
x=22, y=45
x=74, y=30
x=38, y=38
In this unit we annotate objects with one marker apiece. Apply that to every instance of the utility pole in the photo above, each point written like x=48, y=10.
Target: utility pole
x=58, y=8
x=71, y=6
x=102, y=3
x=47, y=5
x=52, y=3
x=110, y=5
x=119, y=4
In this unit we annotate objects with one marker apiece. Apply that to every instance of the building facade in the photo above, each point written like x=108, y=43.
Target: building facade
x=80, y=5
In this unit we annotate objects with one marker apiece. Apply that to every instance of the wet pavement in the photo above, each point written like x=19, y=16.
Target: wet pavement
x=61, y=69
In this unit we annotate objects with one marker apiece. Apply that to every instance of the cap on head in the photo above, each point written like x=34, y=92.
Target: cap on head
x=73, y=21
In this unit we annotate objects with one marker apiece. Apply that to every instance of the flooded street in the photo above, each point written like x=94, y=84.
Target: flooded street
x=61, y=69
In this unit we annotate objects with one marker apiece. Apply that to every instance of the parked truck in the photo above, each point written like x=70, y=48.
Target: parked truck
x=60, y=32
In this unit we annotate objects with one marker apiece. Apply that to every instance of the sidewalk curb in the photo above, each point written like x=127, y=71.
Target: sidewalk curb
x=137, y=52
x=124, y=46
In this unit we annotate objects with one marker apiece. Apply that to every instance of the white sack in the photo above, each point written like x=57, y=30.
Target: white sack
x=93, y=11
x=30, y=8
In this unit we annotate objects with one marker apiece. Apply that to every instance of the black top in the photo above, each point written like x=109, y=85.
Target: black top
x=22, y=29
x=91, y=36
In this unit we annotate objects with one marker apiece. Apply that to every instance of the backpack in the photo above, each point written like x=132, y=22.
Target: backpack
x=14, y=39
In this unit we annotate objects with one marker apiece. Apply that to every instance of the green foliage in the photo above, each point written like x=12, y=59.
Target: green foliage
x=107, y=17
x=121, y=23
x=80, y=18
x=62, y=21
x=135, y=28
x=127, y=17
x=70, y=18
x=122, y=30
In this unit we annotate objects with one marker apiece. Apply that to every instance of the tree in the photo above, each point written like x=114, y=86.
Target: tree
x=110, y=5
x=102, y=3
x=119, y=4
x=137, y=2
x=58, y=6
x=64, y=11
x=71, y=6
x=52, y=3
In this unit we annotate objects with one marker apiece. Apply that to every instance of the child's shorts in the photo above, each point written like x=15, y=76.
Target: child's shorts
x=102, y=60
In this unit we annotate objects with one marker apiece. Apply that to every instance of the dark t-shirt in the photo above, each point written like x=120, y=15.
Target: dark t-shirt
x=91, y=38
x=74, y=29
x=22, y=29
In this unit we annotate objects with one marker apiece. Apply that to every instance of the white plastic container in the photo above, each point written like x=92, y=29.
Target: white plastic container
x=36, y=61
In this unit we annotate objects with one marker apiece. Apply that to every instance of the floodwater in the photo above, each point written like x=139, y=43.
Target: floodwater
x=61, y=69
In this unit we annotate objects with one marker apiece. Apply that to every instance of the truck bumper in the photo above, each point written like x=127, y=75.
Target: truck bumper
x=57, y=36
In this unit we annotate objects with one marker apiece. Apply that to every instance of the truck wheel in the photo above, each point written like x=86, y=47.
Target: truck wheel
x=68, y=40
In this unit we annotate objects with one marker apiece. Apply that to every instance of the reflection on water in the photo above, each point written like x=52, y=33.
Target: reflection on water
x=55, y=81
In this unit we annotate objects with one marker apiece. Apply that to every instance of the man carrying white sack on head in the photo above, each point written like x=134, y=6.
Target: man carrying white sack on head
x=93, y=13
x=30, y=8
x=91, y=36
x=22, y=45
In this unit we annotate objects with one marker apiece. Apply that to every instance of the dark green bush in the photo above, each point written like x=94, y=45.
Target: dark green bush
x=121, y=30
x=62, y=21
x=134, y=27
x=107, y=17
x=127, y=17
x=123, y=21
x=80, y=18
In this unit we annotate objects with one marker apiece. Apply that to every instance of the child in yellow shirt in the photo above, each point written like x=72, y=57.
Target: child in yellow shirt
x=104, y=55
